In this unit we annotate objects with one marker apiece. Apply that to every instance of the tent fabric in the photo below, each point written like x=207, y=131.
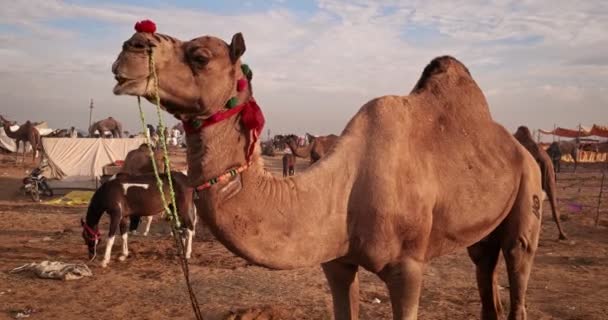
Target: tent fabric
x=84, y=158
x=595, y=130
x=587, y=157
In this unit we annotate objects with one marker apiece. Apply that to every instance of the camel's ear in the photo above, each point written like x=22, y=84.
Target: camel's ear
x=237, y=47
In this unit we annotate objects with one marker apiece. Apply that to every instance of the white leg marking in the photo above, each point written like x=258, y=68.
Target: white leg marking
x=126, y=186
x=148, y=225
x=189, y=236
x=106, y=256
x=125, y=248
x=112, y=178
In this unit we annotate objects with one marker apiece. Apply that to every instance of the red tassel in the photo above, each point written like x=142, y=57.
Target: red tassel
x=241, y=85
x=145, y=26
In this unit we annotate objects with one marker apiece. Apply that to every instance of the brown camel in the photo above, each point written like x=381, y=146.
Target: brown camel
x=524, y=136
x=289, y=164
x=315, y=150
x=390, y=214
x=138, y=161
x=27, y=132
x=559, y=148
x=108, y=124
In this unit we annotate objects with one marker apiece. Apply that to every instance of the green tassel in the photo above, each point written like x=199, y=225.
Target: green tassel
x=196, y=123
x=232, y=103
x=246, y=70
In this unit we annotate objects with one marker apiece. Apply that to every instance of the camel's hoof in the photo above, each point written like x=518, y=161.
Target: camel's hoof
x=145, y=234
x=122, y=258
x=104, y=264
x=563, y=237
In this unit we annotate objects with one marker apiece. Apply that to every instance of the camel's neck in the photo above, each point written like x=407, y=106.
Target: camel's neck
x=276, y=222
x=9, y=133
x=302, y=152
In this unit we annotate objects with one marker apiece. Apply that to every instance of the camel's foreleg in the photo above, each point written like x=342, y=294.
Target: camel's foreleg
x=344, y=284
x=404, y=282
x=485, y=256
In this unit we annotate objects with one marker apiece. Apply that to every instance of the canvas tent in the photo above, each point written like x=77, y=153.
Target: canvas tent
x=595, y=130
x=9, y=144
x=78, y=161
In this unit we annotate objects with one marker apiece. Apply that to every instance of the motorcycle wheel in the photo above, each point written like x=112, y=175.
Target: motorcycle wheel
x=35, y=193
x=47, y=190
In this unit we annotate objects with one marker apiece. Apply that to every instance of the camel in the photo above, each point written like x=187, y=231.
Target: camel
x=27, y=132
x=138, y=162
x=289, y=164
x=559, y=148
x=315, y=150
x=108, y=124
x=384, y=198
x=524, y=136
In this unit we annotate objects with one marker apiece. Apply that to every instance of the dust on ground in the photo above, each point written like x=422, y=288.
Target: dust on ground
x=569, y=279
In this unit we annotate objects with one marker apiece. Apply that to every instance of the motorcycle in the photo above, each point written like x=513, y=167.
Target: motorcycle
x=35, y=184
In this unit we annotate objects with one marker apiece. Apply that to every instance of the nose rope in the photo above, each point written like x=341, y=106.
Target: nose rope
x=171, y=212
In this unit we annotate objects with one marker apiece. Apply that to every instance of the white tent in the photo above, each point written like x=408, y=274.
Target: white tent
x=73, y=160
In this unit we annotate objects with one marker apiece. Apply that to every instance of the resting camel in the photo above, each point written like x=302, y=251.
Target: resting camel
x=559, y=148
x=390, y=215
x=138, y=162
x=524, y=136
x=108, y=124
x=27, y=132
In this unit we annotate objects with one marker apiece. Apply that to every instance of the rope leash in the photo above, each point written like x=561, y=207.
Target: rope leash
x=171, y=214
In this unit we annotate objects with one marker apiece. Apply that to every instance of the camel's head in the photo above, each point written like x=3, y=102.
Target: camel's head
x=523, y=133
x=6, y=122
x=195, y=77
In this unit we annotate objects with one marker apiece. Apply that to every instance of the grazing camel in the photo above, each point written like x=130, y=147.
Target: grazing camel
x=108, y=124
x=27, y=132
x=125, y=196
x=559, y=148
x=524, y=136
x=389, y=214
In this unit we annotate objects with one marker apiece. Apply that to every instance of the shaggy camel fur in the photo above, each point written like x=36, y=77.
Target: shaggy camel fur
x=108, y=124
x=524, y=136
x=390, y=214
x=27, y=132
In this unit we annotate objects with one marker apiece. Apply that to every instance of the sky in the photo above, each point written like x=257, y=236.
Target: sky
x=315, y=63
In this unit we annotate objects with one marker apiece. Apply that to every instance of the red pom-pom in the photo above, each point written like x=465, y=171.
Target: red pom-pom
x=145, y=26
x=241, y=85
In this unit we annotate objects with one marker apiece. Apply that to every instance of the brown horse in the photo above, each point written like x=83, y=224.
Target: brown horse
x=124, y=196
x=289, y=163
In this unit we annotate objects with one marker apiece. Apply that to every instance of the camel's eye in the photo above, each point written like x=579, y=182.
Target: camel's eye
x=200, y=60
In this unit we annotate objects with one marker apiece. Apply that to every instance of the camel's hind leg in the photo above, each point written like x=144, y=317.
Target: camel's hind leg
x=344, y=284
x=485, y=256
x=519, y=241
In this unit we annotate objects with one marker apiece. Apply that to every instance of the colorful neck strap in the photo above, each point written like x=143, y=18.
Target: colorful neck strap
x=222, y=178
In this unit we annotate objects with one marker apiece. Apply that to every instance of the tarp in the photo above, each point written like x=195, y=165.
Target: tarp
x=73, y=198
x=595, y=130
x=77, y=159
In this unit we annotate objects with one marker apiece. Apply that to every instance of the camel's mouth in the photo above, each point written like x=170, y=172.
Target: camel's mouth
x=128, y=86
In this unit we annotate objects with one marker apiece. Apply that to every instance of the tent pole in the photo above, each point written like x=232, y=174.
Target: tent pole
x=599, y=199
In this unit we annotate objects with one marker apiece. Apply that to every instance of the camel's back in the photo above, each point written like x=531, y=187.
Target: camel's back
x=439, y=151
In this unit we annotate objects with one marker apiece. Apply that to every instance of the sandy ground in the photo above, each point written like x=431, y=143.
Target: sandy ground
x=569, y=279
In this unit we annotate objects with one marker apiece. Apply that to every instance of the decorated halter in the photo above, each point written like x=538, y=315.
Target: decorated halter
x=95, y=234
x=251, y=115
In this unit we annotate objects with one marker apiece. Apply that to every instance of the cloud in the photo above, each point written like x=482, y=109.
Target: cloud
x=313, y=71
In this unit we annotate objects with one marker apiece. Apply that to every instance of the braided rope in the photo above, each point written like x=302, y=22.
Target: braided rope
x=171, y=214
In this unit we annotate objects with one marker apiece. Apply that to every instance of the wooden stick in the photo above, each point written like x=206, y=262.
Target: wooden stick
x=599, y=199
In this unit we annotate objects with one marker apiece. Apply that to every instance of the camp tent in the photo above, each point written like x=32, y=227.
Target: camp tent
x=74, y=160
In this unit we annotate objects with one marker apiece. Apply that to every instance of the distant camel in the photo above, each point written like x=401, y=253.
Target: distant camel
x=108, y=124
x=289, y=163
x=315, y=150
x=547, y=172
x=27, y=132
x=559, y=148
